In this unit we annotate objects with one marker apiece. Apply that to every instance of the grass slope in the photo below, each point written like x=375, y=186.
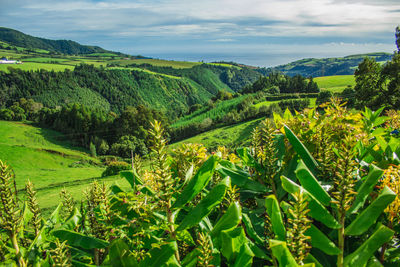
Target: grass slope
x=37, y=154
x=230, y=136
x=316, y=67
x=335, y=84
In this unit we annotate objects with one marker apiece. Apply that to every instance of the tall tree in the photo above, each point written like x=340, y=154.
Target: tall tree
x=398, y=38
x=368, y=83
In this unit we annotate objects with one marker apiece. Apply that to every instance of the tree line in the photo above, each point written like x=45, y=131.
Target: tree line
x=100, y=131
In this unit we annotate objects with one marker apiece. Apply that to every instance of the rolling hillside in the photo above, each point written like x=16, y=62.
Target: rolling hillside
x=17, y=38
x=38, y=154
x=316, y=67
x=106, y=80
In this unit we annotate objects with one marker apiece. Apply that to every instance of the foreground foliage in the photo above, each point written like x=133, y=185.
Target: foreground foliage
x=319, y=188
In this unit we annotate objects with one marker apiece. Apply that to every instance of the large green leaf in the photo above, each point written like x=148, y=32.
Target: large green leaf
x=246, y=157
x=310, y=260
x=281, y=252
x=321, y=241
x=245, y=257
x=159, y=255
x=366, y=188
x=133, y=179
x=368, y=216
x=79, y=240
x=190, y=259
x=198, y=182
x=206, y=205
x=119, y=255
x=317, y=210
x=72, y=221
x=26, y=215
x=232, y=242
x=310, y=183
x=274, y=213
x=250, y=229
x=361, y=256
x=301, y=150
x=239, y=177
x=229, y=220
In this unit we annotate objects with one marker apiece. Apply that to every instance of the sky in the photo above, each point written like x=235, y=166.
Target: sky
x=255, y=32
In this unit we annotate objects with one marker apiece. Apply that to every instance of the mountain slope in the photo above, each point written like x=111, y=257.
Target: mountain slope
x=326, y=66
x=67, y=47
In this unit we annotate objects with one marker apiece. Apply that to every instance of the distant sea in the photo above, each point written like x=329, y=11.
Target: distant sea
x=256, y=59
x=253, y=59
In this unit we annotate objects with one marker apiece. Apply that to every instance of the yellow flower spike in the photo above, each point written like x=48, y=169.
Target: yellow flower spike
x=391, y=179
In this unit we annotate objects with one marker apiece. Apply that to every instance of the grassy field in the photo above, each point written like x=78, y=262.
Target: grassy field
x=157, y=62
x=35, y=66
x=225, y=65
x=230, y=136
x=335, y=84
x=147, y=71
x=39, y=155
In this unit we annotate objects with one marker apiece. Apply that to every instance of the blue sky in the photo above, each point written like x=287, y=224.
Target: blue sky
x=256, y=32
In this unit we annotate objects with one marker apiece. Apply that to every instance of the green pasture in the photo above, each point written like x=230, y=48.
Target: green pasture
x=225, y=65
x=335, y=84
x=144, y=70
x=229, y=136
x=51, y=163
x=157, y=62
x=35, y=66
x=45, y=59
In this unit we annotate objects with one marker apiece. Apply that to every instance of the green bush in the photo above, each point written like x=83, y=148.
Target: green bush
x=115, y=167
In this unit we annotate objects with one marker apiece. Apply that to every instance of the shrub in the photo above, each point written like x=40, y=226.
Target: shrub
x=115, y=167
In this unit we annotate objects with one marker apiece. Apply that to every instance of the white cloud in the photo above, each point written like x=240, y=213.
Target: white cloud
x=275, y=18
x=220, y=24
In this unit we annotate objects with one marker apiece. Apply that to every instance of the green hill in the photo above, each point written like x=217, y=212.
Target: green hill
x=230, y=136
x=17, y=38
x=316, y=67
x=38, y=154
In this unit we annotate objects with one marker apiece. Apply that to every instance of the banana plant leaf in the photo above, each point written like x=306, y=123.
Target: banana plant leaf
x=311, y=184
x=361, y=256
x=317, y=210
x=229, y=220
x=250, y=230
x=366, y=188
x=274, y=213
x=303, y=152
x=281, y=252
x=245, y=257
x=239, y=177
x=119, y=255
x=321, y=241
x=206, y=205
x=368, y=216
x=198, y=182
x=232, y=242
x=79, y=240
x=159, y=255
x=72, y=221
x=133, y=179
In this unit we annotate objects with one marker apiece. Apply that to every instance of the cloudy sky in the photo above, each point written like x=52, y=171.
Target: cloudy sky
x=257, y=32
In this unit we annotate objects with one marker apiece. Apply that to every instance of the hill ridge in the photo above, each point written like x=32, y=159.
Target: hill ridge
x=68, y=47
